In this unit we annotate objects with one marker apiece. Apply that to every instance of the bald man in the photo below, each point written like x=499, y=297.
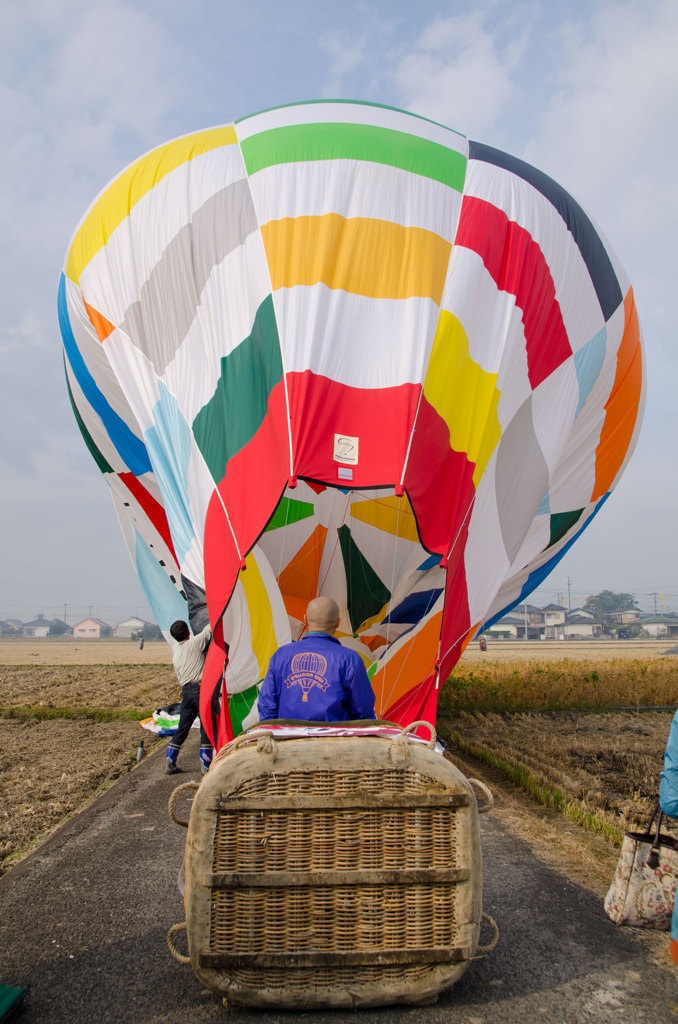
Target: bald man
x=316, y=679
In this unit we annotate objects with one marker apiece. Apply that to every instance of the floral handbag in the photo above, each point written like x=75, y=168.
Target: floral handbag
x=644, y=885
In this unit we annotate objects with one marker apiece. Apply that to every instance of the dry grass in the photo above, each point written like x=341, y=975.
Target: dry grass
x=64, y=736
x=556, y=650
x=528, y=720
x=115, y=688
x=83, y=652
x=602, y=770
x=49, y=770
x=583, y=684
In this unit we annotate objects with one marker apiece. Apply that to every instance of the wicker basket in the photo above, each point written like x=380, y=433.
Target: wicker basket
x=332, y=872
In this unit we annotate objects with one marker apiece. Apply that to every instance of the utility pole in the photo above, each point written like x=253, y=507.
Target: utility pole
x=65, y=607
x=569, y=601
x=655, y=595
x=526, y=620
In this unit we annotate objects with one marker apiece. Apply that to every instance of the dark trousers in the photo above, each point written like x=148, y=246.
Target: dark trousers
x=190, y=710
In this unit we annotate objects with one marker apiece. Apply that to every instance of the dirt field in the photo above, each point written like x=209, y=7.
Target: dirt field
x=555, y=650
x=157, y=652
x=83, y=652
x=51, y=765
x=601, y=769
x=116, y=688
x=65, y=710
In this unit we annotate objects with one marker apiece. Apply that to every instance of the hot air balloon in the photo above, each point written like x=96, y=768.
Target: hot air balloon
x=336, y=348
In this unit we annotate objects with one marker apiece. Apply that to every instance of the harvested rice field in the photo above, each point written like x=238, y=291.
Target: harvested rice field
x=583, y=735
x=601, y=770
x=83, y=652
x=540, y=724
x=50, y=769
x=66, y=732
x=557, y=650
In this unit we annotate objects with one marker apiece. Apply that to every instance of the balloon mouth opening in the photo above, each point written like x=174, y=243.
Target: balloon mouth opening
x=362, y=547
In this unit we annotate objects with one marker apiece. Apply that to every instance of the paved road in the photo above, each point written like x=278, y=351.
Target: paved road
x=83, y=922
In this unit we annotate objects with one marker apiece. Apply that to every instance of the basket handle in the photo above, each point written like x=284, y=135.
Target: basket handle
x=253, y=735
x=653, y=856
x=170, y=942
x=486, y=793
x=172, y=800
x=495, y=937
x=413, y=726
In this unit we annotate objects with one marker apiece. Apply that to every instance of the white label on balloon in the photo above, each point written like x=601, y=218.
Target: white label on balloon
x=346, y=449
x=344, y=473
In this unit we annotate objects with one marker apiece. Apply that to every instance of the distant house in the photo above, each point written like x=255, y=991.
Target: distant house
x=660, y=625
x=7, y=628
x=39, y=627
x=91, y=629
x=60, y=628
x=580, y=623
x=130, y=628
x=554, y=622
x=546, y=623
x=506, y=628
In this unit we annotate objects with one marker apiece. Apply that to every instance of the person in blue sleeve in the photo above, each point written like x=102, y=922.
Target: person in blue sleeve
x=316, y=679
x=668, y=800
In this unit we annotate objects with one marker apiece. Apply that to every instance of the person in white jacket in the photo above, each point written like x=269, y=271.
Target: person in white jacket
x=189, y=660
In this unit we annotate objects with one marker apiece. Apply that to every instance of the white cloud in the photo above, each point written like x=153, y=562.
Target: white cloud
x=347, y=54
x=85, y=88
x=26, y=334
x=461, y=71
x=606, y=132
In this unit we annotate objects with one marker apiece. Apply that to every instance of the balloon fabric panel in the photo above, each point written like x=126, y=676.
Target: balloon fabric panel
x=116, y=201
x=297, y=143
x=622, y=406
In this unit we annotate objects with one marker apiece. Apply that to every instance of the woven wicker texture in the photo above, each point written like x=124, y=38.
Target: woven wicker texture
x=338, y=783
x=305, y=979
x=324, y=873
x=330, y=840
x=341, y=918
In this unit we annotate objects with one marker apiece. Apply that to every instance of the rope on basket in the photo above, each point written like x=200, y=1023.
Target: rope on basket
x=399, y=751
x=170, y=942
x=255, y=736
x=172, y=800
x=495, y=938
x=400, y=746
x=486, y=793
x=413, y=726
x=267, y=745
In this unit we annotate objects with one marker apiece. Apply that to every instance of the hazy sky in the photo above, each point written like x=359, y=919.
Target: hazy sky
x=587, y=91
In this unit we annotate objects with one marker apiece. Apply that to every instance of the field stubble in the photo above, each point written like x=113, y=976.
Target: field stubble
x=67, y=732
x=566, y=731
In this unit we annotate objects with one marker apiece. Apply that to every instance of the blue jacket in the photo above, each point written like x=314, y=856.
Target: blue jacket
x=668, y=795
x=668, y=787
x=318, y=680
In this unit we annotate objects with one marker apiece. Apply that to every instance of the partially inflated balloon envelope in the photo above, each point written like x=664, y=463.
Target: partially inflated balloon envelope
x=339, y=349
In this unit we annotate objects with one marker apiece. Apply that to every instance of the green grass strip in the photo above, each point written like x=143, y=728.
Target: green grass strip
x=312, y=142
x=45, y=714
x=544, y=795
